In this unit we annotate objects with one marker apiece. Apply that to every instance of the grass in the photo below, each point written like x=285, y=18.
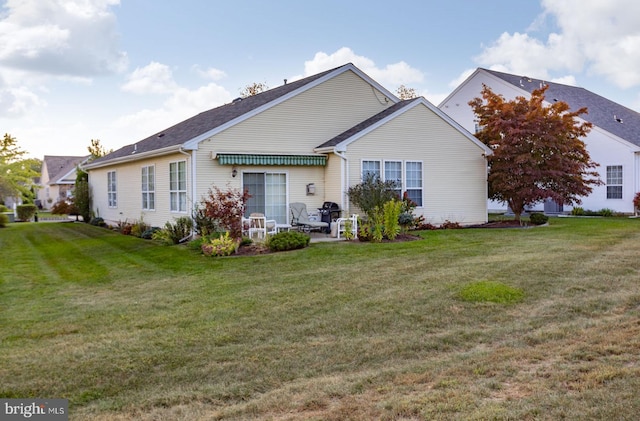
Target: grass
x=129, y=330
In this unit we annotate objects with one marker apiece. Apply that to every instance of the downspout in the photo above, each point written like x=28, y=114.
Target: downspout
x=193, y=183
x=344, y=185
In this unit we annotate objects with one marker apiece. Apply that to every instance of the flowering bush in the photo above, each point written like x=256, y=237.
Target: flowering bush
x=636, y=201
x=223, y=246
x=221, y=209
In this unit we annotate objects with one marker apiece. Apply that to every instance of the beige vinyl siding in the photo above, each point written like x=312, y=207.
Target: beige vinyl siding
x=335, y=180
x=303, y=122
x=210, y=173
x=454, y=169
x=296, y=126
x=129, y=191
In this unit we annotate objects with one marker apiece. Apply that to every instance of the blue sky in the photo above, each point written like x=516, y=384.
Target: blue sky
x=121, y=70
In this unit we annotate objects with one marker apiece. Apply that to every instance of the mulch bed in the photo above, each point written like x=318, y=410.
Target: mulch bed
x=258, y=249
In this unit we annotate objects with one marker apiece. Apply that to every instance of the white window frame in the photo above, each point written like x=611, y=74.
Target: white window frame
x=614, y=180
x=112, y=189
x=406, y=187
x=148, y=187
x=270, y=204
x=404, y=178
x=367, y=161
x=178, y=192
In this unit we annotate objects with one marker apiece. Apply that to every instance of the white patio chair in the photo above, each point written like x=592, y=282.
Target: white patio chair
x=341, y=226
x=260, y=226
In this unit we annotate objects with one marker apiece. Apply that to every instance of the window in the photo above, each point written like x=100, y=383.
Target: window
x=614, y=182
x=393, y=172
x=178, y=186
x=148, y=188
x=370, y=168
x=414, y=181
x=409, y=181
x=268, y=195
x=112, y=195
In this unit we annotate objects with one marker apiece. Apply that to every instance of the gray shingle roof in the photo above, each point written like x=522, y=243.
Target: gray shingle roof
x=59, y=166
x=606, y=114
x=365, y=124
x=208, y=120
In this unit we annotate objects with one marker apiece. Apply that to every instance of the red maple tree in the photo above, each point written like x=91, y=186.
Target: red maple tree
x=538, y=153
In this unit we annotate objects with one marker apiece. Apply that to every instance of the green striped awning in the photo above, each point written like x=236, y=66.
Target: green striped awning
x=265, y=159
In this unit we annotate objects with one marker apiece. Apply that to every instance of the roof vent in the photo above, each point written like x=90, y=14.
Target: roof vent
x=285, y=81
x=618, y=119
x=135, y=148
x=161, y=135
x=237, y=100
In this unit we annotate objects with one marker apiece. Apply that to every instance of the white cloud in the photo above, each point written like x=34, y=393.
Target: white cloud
x=180, y=105
x=41, y=40
x=60, y=37
x=154, y=78
x=601, y=38
x=391, y=76
x=210, y=73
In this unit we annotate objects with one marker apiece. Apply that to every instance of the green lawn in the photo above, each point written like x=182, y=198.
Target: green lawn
x=130, y=330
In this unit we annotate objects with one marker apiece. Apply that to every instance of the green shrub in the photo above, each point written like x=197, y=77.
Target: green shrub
x=538, y=218
x=606, y=212
x=491, y=291
x=139, y=227
x=221, y=246
x=577, y=211
x=175, y=233
x=4, y=220
x=391, y=213
x=3, y=208
x=372, y=193
x=288, y=240
x=98, y=221
x=26, y=212
x=148, y=233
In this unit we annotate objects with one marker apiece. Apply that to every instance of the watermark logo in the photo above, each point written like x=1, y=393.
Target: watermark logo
x=34, y=409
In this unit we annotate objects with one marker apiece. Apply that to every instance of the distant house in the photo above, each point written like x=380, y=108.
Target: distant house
x=58, y=178
x=305, y=141
x=613, y=143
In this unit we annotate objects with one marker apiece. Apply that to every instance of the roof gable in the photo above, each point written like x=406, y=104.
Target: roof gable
x=601, y=112
x=189, y=133
x=341, y=141
x=61, y=167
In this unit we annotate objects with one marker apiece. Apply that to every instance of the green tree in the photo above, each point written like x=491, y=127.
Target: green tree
x=537, y=150
x=82, y=195
x=16, y=173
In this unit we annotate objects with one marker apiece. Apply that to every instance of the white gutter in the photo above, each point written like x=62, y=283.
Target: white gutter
x=135, y=157
x=344, y=175
x=193, y=183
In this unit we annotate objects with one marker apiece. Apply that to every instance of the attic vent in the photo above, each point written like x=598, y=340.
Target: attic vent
x=618, y=119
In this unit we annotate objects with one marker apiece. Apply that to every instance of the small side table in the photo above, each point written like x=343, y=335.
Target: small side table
x=283, y=227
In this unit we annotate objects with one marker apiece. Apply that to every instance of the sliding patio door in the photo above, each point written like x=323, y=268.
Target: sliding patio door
x=268, y=194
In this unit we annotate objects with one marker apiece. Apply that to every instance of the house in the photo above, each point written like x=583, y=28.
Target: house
x=613, y=143
x=305, y=141
x=58, y=178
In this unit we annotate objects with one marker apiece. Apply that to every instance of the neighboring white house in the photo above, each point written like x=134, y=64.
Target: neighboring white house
x=613, y=143
x=305, y=141
x=58, y=178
